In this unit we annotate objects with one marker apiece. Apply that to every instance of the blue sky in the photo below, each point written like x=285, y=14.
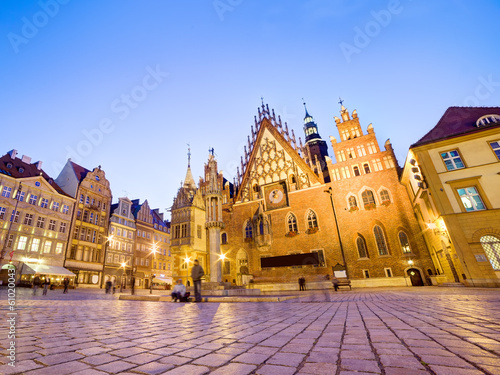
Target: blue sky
x=128, y=84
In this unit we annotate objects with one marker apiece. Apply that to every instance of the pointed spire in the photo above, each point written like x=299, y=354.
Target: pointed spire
x=307, y=114
x=189, y=180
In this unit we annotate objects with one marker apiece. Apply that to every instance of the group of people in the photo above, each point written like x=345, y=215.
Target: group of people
x=179, y=292
x=302, y=282
x=46, y=284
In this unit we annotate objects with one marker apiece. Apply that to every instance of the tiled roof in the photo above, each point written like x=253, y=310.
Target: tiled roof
x=458, y=121
x=28, y=170
x=80, y=171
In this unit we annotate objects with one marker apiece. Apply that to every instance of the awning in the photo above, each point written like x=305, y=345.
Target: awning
x=160, y=280
x=30, y=269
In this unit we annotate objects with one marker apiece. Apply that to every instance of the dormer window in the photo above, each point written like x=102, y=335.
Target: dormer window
x=21, y=169
x=9, y=165
x=487, y=120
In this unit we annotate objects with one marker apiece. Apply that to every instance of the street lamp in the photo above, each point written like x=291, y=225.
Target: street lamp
x=329, y=191
x=123, y=275
x=153, y=275
x=106, y=246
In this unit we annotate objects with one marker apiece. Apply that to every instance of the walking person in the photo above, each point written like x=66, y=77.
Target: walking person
x=302, y=283
x=46, y=285
x=36, y=284
x=132, y=285
x=196, y=274
x=66, y=284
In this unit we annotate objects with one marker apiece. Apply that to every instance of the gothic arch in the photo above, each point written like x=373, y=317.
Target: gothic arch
x=382, y=188
x=314, y=219
x=289, y=223
x=380, y=236
x=476, y=236
x=348, y=201
x=248, y=229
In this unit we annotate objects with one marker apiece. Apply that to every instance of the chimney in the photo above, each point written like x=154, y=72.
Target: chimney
x=39, y=165
x=12, y=153
x=26, y=159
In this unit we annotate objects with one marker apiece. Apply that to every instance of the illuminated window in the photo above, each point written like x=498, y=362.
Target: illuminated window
x=491, y=246
x=380, y=240
x=62, y=228
x=356, y=170
x=471, y=199
x=47, y=246
x=59, y=248
x=366, y=167
x=2, y=213
x=405, y=244
x=15, y=216
x=292, y=223
x=55, y=206
x=377, y=165
x=361, y=244
x=35, y=245
x=20, y=196
x=21, y=245
x=224, y=238
x=452, y=160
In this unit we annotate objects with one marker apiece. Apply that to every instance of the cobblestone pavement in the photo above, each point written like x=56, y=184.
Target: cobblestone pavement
x=427, y=330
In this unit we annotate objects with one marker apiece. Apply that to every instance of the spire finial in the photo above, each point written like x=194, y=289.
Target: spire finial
x=262, y=100
x=189, y=156
x=211, y=151
x=340, y=101
x=304, y=102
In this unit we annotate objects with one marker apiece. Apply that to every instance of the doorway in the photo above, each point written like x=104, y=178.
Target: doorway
x=415, y=277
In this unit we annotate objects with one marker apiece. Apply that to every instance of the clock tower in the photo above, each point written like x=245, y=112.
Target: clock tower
x=316, y=146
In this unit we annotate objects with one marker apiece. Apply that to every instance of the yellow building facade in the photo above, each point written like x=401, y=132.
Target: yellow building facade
x=452, y=176
x=35, y=218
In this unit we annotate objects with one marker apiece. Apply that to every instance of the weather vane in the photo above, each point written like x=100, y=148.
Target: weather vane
x=340, y=101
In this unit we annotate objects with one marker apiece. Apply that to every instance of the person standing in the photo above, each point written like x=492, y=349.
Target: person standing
x=196, y=274
x=302, y=283
x=46, y=285
x=36, y=284
x=66, y=284
x=132, y=285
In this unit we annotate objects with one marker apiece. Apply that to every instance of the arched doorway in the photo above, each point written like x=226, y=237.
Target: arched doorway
x=415, y=277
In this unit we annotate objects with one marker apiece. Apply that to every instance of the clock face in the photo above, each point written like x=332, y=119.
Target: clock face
x=276, y=196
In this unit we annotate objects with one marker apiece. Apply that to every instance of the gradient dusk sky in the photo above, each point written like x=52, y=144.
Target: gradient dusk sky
x=129, y=84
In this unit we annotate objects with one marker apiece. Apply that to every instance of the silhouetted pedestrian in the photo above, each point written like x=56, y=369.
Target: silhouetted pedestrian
x=196, y=274
x=66, y=284
x=36, y=284
x=46, y=285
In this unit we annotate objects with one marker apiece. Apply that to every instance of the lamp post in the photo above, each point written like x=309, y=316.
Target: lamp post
x=222, y=258
x=186, y=262
x=123, y=276
x=106, y=246
x=329, y=191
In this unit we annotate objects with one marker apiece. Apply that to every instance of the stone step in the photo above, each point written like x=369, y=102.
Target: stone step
x=453, y=285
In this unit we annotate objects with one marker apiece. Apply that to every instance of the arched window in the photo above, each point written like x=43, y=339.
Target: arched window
x=248, y=230
x=361, y=244
x=368, y=197
x=491, y=246
x=261, y=227
x=366, y=168
x=380, y=240
x=405, y=244
x=352, y=202
x=292, y=179
x=292, y=223
x=224, y=238
x=312, y=220
x=384, y=196
x=356, y=171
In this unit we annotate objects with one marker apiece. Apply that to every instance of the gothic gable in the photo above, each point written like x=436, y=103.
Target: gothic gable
x=273, y=156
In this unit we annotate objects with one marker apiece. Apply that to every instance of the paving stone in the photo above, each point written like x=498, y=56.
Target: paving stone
x=153, y=368
x=175, y=360
x=275, y=370
x=318, y=368
x=100, y=359
x=286, y=359
x=359, y=365
x=401, y=361
x=213, y=360
x=55, y=359
x=188, y=370
x=234, y=369
x=441, y=370
x=60, y=369
x=116, y=366
x=252, y=358
x=143, y=358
